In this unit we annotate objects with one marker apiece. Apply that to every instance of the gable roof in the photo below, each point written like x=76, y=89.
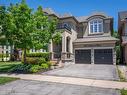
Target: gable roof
x=80, y=19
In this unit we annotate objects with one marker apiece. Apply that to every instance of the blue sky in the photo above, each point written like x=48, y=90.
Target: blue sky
x=78, y=7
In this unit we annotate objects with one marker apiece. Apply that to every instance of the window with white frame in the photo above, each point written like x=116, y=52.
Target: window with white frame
x=96, y=26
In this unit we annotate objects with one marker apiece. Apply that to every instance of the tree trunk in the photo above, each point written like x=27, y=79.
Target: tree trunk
x=11, y=53
x=25, y=56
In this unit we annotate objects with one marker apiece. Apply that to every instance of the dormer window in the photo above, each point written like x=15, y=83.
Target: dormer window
x=96, y=26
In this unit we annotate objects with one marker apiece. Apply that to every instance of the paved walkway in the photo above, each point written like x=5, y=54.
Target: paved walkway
x=70, y=80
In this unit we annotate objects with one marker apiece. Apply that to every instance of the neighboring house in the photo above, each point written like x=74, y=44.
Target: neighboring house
x=34, y=50
x=4, y=49
x=86, y=40
x=122, y=29
x=4, y=53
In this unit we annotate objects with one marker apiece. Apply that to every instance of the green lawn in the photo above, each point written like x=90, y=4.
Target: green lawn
x=123, y=92
x=4, y=80
x=6, y=66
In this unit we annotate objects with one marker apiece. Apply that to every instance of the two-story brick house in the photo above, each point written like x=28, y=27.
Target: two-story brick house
x=122, y=29
x=86, y=39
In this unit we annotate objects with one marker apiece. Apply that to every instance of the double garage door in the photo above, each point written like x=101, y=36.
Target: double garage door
x=101, y=56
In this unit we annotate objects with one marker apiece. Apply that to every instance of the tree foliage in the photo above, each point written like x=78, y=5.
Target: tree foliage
x=117, y=47
x=57, y=38
x=24, y=28
x=5, y=26
x=44, y=28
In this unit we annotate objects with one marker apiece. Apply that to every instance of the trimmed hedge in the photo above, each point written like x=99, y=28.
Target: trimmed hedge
x=45, y=55
x=35, y=60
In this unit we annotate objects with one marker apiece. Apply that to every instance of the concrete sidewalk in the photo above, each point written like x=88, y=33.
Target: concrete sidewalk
x=70, y=80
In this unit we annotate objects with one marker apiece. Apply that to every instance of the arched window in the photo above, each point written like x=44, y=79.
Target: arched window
x=96, y=26
x=66, y=25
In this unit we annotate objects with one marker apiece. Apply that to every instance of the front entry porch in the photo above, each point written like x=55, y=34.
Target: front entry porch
x=62, y=51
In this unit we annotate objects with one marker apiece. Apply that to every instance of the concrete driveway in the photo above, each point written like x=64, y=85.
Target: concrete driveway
x=27, y=87
x=102, y=72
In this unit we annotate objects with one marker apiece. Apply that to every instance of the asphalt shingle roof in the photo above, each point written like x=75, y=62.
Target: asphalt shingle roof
x=79, y=19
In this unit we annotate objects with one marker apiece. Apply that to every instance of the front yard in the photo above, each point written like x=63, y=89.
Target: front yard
x=5, y=67
x=19, y=67
x=4, y=80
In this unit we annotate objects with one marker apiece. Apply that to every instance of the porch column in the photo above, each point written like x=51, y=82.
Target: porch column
x=71, y=46
x=64, y=43
x=92, y=56
x=51, y=49
x=63, y=55
x=114, y=56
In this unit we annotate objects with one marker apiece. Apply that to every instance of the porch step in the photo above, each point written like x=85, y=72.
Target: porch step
x=55, y=62
x=67, y=60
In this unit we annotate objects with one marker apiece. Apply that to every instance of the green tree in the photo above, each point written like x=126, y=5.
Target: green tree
x=22, y=19
x=31, y=29
x=117, y=47
x=44, y=29
x=4, y=26
x=7, y=27
x=57, y=38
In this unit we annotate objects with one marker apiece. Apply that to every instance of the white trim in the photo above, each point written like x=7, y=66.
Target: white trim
x=98, y=32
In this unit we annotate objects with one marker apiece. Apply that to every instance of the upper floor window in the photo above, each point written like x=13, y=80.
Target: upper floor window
x=69, y=24
x=96, y=26
x=66, y=25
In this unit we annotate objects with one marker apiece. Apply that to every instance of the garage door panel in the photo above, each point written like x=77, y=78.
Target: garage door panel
x=103, y=56
x=83, y=56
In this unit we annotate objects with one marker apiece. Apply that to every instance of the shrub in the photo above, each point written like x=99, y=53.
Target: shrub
x=45, y=66
x=123, y=92
x=30, y=60
x=30, y=68
x=45, y=55
x=35, y=60
x=35, y=68
x=21, y=68
x=41, y=60
x=49, y=64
